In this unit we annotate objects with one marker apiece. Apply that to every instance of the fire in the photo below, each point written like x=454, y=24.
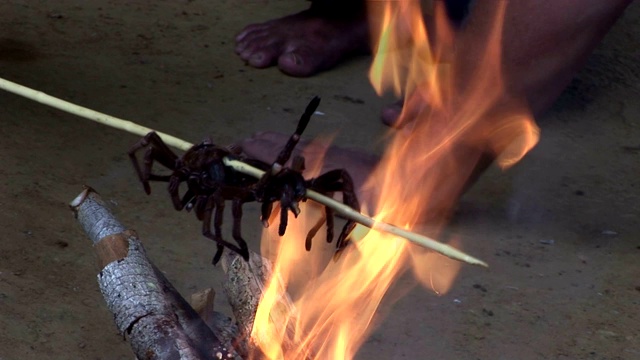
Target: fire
x=448, y=131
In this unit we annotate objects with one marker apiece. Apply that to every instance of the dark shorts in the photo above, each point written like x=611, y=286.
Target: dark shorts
x=457, y=9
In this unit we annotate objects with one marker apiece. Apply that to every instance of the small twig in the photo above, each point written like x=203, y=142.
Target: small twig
x=238, y=166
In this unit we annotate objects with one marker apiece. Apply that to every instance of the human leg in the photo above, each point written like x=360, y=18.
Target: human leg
x=545, y=43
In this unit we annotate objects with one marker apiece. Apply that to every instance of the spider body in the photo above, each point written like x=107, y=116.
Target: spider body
x=210, y=184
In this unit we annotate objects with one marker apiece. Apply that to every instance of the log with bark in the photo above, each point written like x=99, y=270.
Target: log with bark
x=147, y=309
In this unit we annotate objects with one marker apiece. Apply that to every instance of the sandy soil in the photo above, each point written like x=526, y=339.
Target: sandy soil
x=560, y=230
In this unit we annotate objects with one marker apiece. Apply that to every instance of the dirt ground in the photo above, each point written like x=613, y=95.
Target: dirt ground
x=560, y=230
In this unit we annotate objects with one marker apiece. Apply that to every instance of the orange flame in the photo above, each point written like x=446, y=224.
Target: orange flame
x=448, y=131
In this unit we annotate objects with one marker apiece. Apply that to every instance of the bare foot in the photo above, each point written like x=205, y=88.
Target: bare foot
x=305, y=43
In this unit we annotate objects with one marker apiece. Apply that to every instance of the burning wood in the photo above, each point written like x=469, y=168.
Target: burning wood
x=245, y=286
x=223, y=327
x=159, y=323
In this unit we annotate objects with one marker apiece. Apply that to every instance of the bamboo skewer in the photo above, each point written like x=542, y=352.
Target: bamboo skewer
x=175, y=142
x=121, y=124
x=369, y=222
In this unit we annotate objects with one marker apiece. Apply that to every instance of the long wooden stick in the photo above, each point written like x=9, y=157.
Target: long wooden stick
x=134, y=128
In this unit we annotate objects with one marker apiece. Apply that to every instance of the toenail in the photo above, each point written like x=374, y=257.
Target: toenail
x=257, y=57
x=246, y=54
x=296, y=59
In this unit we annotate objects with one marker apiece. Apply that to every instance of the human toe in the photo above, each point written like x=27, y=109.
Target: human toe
x=300, y=62
x=250, y=30
x=261, y=59
x=254, y=35
x=252, y=41
x=261, y=51
x=391, y=113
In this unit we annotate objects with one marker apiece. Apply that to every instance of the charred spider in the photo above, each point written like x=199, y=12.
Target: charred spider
x=210, y=184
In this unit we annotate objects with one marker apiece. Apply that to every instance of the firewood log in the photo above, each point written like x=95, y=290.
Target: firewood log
x=147, y=309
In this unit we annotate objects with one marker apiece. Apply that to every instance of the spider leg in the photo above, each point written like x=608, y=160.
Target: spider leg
x=329, y=216
x=157, y=151
x=342, y=239
x=285, y=153
x=314, y=230
x=216, y=202
x=188, y=200
x=287, y=203
x=217, y=227
x=218, y=255
x=236, y=206
x=284, y=218
x=266, y=209
x=200, y=206
x=326, y=218
x=174, y=187
x=338, y=180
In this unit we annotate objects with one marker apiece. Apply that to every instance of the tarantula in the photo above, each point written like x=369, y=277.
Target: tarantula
x=210, y=183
